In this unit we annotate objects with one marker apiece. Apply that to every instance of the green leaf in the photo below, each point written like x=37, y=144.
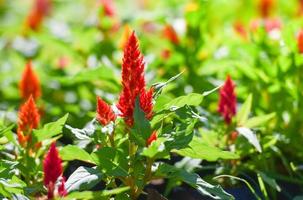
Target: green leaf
x=194, y=180
x=83, y=178
x=258, y=121
x=181, y=137
x=193, y=99
x=50, y=130
x=96, y=195
x=250, y=136
x=106, y=160
x=270, y=181
x=6, y=129
x=156, y=149
x=142, y=128
x=200, y=149
x=242, y=115
x=72, y=152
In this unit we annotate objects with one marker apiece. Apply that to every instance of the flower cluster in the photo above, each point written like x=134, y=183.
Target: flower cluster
x=170, y=34
x=105, y=114
x=52, y=168
x=134, y=83
x=29, y=84
x=300, y=41
x=40, y=9
x=28, y=119
x=108, y=7
x=265, y=7
x=227, y=101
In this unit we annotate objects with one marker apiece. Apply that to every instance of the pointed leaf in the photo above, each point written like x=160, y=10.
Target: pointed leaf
x=258, y=121
x=250, y=136
x=72, y=152
x=244, y=111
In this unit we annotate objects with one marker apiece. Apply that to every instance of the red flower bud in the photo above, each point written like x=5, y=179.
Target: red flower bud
x=105, y=114
x=29, y=84
x=170, y=34
x=52, y=168
x=300, y=41
x=152, y=137
x=227, y=101
x=265, y=7
x=133, y=82
x=40, y=9
x=28, y=119
x=108, y=7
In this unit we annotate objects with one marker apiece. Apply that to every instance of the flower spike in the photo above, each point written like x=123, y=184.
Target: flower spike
x=29, y=84
x=227, y=101
x=133, y=82
x=105, y=114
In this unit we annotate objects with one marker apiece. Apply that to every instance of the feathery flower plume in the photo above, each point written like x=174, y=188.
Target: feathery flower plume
x=133, y=82
x=227, y=101
x=28, y=119
x=52, y=168
x=170, y=34
x=300, y=41
x=152, y=137
x=40, y=9
x=265, y=7
x=29, y=84
x=105, y=114
x=108, y=7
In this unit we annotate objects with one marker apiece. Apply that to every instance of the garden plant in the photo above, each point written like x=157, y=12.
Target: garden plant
x=151, y=99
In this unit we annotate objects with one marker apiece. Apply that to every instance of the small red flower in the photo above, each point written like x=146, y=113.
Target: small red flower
x=133, y=82
x=170, y=34
x=61, y=189
x=108, y=7
x=265, y=7
x=227, y=101
x=28, y=119
x=52, y=168
x=300, y=41
x=240, y=29
x=105, y=114
x=40, y=9
x=152, y=137
x=29, y=84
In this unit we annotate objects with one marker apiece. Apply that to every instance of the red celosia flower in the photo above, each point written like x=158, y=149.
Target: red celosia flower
x=268, y=24
x=265, y=6
x=300, y=41
x=40, y=9
x=227, y=102
x=108, y=7
x=61, y=189
x=152, y=137
x=105, y=114
x=240, y=29
x=28, y=119
x=52, y=168
x=29, y=84
x=234, y=136
x=133, y=82
x=170, y=34
x=300, y=11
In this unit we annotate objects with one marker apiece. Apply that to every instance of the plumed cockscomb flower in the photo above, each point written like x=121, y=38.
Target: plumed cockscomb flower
x=52, y=168
x=152, y=137
x=105, y=114
x=300, y=41
x=227, y=101
x=265, y=7
x=29, y=84
x=28, y=119
x=170, y=34
x=108, y=7
x=133, y=82
x=40, y=9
